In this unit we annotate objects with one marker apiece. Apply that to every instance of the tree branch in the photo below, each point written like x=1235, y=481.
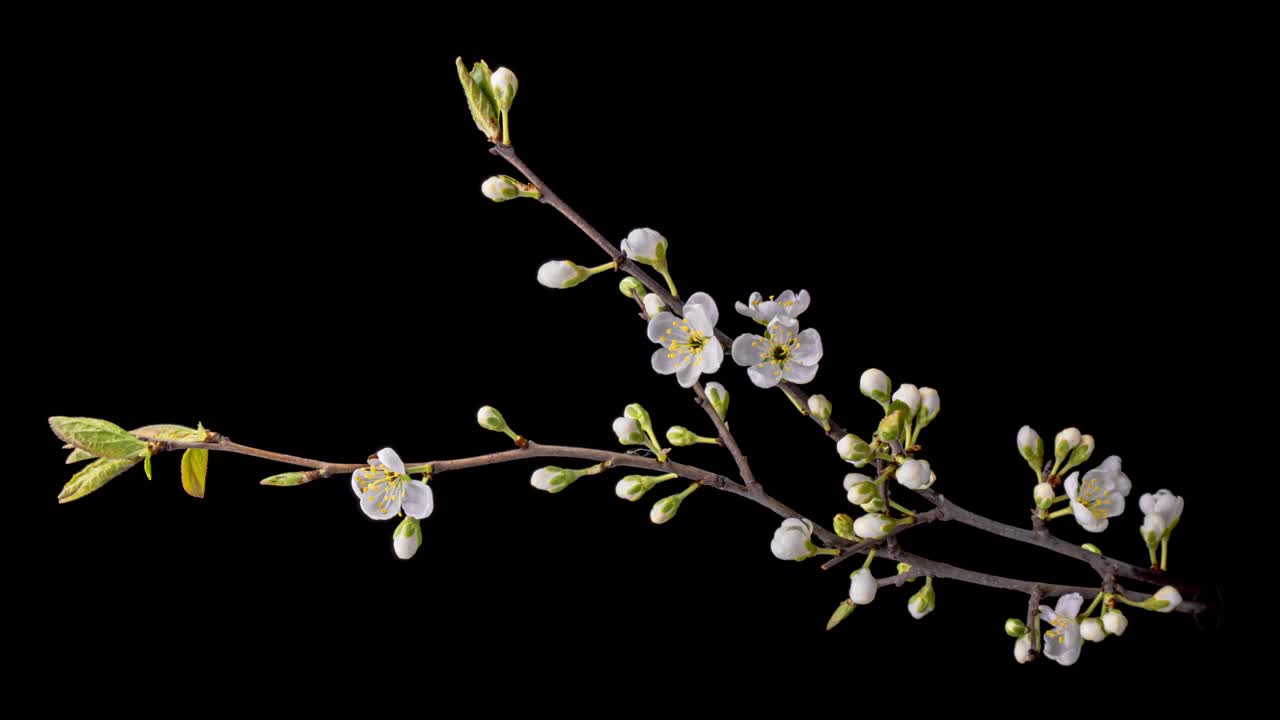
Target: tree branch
x=726, y=437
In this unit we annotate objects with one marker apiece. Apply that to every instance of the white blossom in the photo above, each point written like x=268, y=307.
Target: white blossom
x=1100, y=496
x=915, y=474
x=384, y=489
x=862, y=587
x=1162, y=509
x=1091, y=629
x=1169, y=594
x=689, y=345
x=1062, y=643
x=910, y=396
x=791, y=540
x=653, y=304
x=875, y=385
x=646, y=246
x=782, y=353
x=1114, y=622
x=787, y=306
x=407, y=538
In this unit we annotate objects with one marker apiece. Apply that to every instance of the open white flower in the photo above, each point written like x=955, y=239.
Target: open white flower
x=862, y=587
x=787, y=306
x=689, y=345
x=1162, y=510
x=791, y=540
x=781, y=354
x=1062, y=643
x=1100, y=496
x=384, y=489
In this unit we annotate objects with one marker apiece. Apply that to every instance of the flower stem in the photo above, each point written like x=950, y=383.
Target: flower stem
x=894, y=504
x=685, y=493
x=1093, y=605
x=826, y=551
x=1164, y=553
x=1059, y=498
x=506, y=130
x=707, y=440
x=671, y=284
x=1059, y=513
x=871, y=555
x=602, y=268
x=1151, y=550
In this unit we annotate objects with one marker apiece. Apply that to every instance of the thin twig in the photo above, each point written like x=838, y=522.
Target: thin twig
x=726, y=437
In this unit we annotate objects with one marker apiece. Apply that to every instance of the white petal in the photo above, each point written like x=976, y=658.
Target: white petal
x=418, y=500
x=666, y=362
x=1147, y=503
x=747, y=348
x=382, y=504
x=708, y=306
x=659, y=324
x=744, y=309
x=802, y=304
x=697, y=318
x=712, y=356
x=1086, y=519
x=798, y=373
x=810, y=350
x=688, y=375
x=388, y=457
x=1068, y=606
x=762, y=377
x=1072, y=484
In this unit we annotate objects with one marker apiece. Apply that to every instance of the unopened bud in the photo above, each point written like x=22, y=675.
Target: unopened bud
x=930, y=404
x=682, y=436
x=407, y=538
x=504, y=85
x=1065, y=442
x=1166, y=599
x=490, y=419
x=820, y=407
x=843, y=525
x=910, y=396
x=842, y=611
x=628, y=431
x=891, y=427
x=1114, y=622
x=923, y=602
x=636, y=412
x=665, y=509
x=854, y=450
x=501, y=188
x=875, y=385
x=719, y=398
x=1031, y=447
x=1081, y=453
x=862, y=587
x=861, y=489
x=553, y=479
x=561, y=274
x=872, y=526
x=653, y=304
x=1013, y=627
x=1044, y=495
x=646, y=246
x=1022, y=649
x=631, y=287
x=1091, y=629
x=915, y=475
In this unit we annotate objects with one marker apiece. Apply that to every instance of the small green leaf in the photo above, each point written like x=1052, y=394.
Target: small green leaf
x=842, y=611
x=483, y=111
x=94, y=476
x=97, y=437
x=289, y=479
x=146, y=465
x=195, y=468
x=169, y=432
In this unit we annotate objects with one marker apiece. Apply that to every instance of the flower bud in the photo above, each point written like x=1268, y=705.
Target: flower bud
x=893, y=424
x=407, y=538
x=875, y=385
x=1091, y=629
x=501, y=188
x=561, y=274
x=861, y=489
x=681, y=436
x=842, y=611
x=628, y=431
x=1153, y=528
x=552, y=479
x=1031, y=447
x=872, y=526
x=930, y=404
x=923, y=602
x=719, y=398
x=1022, y=649
x=1065, y=442
x=1044, y=495
x=1013, y=627
x=1080, y=453
x=646, y=246
x=631, y=287
x=1168, y=595
x=854, y=450
x=874, y=506
x=791, y=540
x=909, y=396
x=862, y=587
x=636, y=412
x=631, y=487
x=915, y=475
x=504, y=85
x=490, y=419
x=903, y=568
x=653, y=304
x=1114, y=622
x=665, y=509
x=843, y=525
x=1092, y=548
x=820, y=407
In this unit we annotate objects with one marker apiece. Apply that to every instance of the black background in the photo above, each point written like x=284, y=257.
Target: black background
x=275, y=227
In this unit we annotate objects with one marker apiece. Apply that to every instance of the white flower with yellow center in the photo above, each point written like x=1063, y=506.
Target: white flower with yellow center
x=1100, y=495
x=689, y=345
x=1062, y=642
x=384, y=489
x=788, y=306
x=782, y=353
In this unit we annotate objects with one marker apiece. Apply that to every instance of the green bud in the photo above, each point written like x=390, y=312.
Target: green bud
x=1065, y=442
x=1081, y=453
x=681, y=436
x=894, y=421
x=843, y=525
x=503, y=83
x=631, y=287
x=1092, y=548
x=875, y=506
x=719, y=398
x=903, y=568
x=553, y=479
x=923, y=602
x=665, y=509
x=820, y=407
x=407, y=538
x=289, y=479
x=490, y=419
x=843, y=610
x=1015, y=628
x=1043, y=495
x=633, y=487
x=636, y=412
x=854, y=450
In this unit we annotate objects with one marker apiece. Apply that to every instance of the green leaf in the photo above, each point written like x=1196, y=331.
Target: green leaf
x=77, y=455
x=483, y=110
x=97, y=437
x=146, y=465
x=94, y=476
x=195, y=468
x=148, y=432
x=289, y=479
